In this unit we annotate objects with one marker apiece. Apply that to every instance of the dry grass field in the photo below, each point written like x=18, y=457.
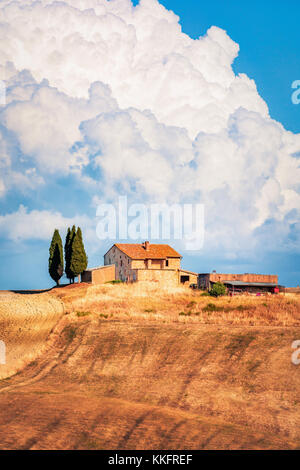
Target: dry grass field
x=25, y=324
x=147, y=302
x=133, y=367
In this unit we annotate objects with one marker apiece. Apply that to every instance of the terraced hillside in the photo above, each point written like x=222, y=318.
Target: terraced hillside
x=128, y=367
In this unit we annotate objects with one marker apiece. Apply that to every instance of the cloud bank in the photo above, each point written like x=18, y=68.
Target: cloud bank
x=119, y=98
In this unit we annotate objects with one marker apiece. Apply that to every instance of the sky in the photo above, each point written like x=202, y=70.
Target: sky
x=163, y=102
x=268, y=35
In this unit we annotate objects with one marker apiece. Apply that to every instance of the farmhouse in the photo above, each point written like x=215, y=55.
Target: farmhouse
x=148, y=262
x=240, y=282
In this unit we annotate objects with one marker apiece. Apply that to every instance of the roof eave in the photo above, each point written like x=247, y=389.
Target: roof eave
x=110, y=249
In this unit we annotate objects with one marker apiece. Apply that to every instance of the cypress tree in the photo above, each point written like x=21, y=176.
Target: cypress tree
x=68, y=254
x=84, y=258
x=56, y=257
x=72, y=238
x=78, y=262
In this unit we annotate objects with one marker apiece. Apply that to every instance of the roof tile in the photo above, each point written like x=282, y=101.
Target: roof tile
x=138, y=251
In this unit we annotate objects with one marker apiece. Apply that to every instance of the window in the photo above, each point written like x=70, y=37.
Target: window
x=121, y=263
x=167, y=262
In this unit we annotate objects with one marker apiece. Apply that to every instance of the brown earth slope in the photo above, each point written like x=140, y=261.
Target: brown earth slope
x=131, y=368
x=25, y=324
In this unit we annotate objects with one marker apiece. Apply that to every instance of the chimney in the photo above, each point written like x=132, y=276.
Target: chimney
x=146, y=245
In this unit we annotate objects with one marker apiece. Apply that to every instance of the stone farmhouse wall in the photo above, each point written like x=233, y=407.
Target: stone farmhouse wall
x=99, y=275
x=122, y=262
x=167, y=277
x=137, y=270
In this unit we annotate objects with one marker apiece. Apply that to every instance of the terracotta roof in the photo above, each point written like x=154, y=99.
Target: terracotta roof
x=138, y=251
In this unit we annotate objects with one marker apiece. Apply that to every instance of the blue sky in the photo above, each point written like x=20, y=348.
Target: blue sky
x=123, y=103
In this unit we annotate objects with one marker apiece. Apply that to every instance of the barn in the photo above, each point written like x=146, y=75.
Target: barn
x=239, y=283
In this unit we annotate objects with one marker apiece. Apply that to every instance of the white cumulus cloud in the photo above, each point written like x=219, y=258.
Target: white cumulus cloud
x=25, y=224
x=102, y=87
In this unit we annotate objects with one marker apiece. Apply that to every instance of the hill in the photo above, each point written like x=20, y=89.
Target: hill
x=130, y=367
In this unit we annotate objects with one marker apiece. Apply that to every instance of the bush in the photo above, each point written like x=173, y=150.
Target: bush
x=82, y=314
x=217, y=290
x=212, y=308
x=103, y=315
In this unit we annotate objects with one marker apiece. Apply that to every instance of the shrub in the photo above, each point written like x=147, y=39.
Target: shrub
x=82, y=314
x=103, y=315
x=70, y=333
x=217, y=290
x=242, y=308
x=184, y=314
x=210, y=308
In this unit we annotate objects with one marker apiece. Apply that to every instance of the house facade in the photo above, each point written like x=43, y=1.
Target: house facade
x=148, y=262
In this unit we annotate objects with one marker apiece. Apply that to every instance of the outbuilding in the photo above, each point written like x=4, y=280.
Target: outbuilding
x=99, y=275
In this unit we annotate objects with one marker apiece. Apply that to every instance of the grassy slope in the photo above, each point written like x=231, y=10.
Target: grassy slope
x=130, y=367
x=25, y=324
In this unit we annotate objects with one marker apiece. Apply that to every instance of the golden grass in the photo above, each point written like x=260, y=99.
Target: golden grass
x=142, y=301
x=133, y=366
x=25, y=323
